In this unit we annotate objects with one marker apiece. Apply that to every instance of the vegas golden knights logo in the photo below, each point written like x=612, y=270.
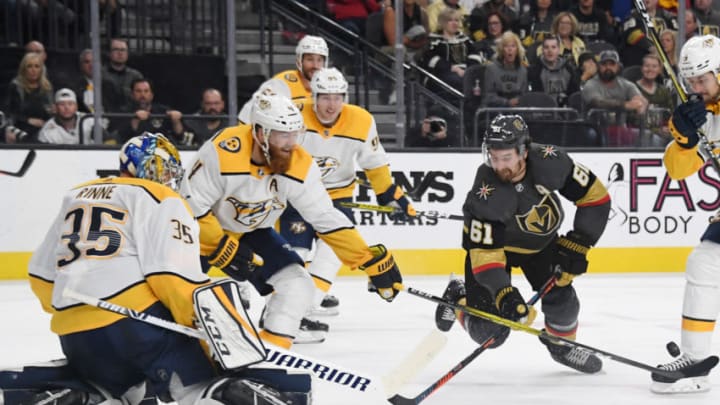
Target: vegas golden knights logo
x=543, y=218
x=253, y=214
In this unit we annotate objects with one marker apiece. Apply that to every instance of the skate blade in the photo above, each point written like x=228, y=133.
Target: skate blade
x=682, y=386
x=320, y=311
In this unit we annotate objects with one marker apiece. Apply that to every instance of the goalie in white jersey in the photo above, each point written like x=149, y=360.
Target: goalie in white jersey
x=341, y=137
x=240, y=183
x=133, y=241
x=699, y=67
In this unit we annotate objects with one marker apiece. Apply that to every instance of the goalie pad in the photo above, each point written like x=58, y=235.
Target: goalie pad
x=232, y=337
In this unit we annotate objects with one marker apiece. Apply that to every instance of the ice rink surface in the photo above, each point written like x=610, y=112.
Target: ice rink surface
x=633, y=316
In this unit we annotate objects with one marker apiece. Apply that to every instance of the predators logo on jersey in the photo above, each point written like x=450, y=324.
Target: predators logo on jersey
x=231, y=145
x=252, y=214
x=542, y=218
x=327, y=165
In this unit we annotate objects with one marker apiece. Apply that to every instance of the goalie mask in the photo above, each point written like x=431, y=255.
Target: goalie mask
x=311, y=44
x=699, y=55
x=273, y=112
x=152, y=157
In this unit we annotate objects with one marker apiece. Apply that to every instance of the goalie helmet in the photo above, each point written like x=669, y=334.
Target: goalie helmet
x=700, y=55
x=311, y=44
x=152, y=157
x=506, y=132
x=274, y=112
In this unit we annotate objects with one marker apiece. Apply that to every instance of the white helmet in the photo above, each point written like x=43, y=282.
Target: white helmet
x=274, y=112
x=700, y=55
x=311, y=44
x=328, y=81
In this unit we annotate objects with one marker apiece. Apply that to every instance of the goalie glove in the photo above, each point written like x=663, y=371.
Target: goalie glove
x=395, y=197
x=383, y=273
x=234, y=258
x=510, y=305
x=570, y=258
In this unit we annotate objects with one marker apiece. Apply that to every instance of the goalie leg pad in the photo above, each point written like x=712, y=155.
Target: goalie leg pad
x=232, y=337
x=701, y=302
x=259, y=386
x=294, y=291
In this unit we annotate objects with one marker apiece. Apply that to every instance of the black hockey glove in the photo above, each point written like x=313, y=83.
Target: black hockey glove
x=687, y=119
x=383, y=273
x=234, y=258
x=395, y=197
x=510, y=305
x=570, y=258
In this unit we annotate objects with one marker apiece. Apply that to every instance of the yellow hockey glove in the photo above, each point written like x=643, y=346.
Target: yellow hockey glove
x=383, y=272
x=234, y=258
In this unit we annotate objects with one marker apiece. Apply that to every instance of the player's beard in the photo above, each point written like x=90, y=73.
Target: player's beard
x=507, y=174
x=280, y=158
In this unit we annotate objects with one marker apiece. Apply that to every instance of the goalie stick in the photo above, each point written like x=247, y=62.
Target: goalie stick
x=696, y=369
x=24, y=167
x=400, y=400
x=382, y=208
x=707, y=146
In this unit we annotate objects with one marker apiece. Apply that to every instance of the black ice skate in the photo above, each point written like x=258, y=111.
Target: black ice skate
x=573, y=357
x=311, y=332
x=696, y=380
x=445, y=316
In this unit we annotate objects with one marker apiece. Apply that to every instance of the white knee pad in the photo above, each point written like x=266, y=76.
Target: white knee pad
x=702, y=296
x=325, y=265
x=292, y=298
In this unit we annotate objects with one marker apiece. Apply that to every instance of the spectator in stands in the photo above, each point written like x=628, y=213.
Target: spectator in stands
x=352, y=14
x=553, y=74
x=592, y=22
x=450, y=51
x=565, y=27
x=708, y=16
x=29, y=99
x=692, y=27
x=536, y=23
x=622, y=99
x=37, y=47
x=203, y=129
x=120, y=75
x=434, y=130
x=634, y=44
x=494, y=27
x=437, y=6
x=506, y=76
x=415, y=24
x=668, y=40
x=479, y=14
x=65, y=126
x=587, y=67
x=660, y=99
x=80, y=81
x=143, y=107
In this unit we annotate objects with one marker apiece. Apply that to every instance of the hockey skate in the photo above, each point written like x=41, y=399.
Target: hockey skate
x=573, y=357
x=696, y=381
x=311, y=332
x=445, y=316
x=330, y=306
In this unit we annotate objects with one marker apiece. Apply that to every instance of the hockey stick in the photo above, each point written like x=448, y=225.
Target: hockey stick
x=389, y=210
x=694, y=370
x=29, y=159
x=413, y=362
x=400, y=400
x=707, y=145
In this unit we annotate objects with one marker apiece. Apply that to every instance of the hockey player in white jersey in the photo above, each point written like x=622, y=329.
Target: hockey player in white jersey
x=133, y=241
x=699, y=67
x=239, y=185
x=311, y=55
x=341, y=137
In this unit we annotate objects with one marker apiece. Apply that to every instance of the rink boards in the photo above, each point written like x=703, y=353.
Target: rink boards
x=654, y=221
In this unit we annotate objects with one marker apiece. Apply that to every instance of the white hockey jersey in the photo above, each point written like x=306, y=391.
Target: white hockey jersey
x=224, y=183
x=350, y=142
x=287, y=83
x=126, y=240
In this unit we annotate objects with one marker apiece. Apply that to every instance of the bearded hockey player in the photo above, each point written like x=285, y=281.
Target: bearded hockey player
x=512, y=216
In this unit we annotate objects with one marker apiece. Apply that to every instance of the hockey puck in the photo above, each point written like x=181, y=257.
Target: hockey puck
x=673, y=349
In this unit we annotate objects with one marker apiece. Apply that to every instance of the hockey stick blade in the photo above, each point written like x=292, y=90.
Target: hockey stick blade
x=29, y=159
x=414, y=361
x=400, y=400
x=705, y=365
x=389, y=210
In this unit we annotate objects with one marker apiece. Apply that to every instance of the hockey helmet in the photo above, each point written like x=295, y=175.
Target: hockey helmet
x=274, y=112
x=152, y=157
x=506, y=132
x=311, y=44
x=699, y=55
